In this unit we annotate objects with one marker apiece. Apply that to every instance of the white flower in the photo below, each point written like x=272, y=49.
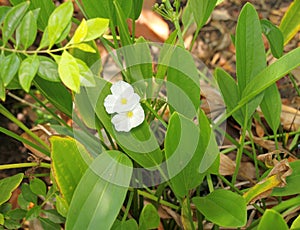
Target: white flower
x=122, y=99
x=125, y=121
x=125, y=104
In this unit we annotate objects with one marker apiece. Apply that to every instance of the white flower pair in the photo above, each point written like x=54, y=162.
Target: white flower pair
x=126, y=106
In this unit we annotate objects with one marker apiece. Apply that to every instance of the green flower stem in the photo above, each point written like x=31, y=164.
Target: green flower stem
x=254, y=155
x=209, y=183
x=23, y=140
x=157, y=199
x=146, y=103
x=11, y=117
x=128, y=206
x=25, y=165
x=189, y=213
x=228, y=183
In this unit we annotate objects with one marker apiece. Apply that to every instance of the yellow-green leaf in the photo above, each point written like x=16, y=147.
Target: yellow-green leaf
x=96, y=28
x=69, y=71
x=85, y=47
x=80, y=32
x=290, y=23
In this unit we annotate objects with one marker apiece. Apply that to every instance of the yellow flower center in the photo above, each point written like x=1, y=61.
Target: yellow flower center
x=123, y=101
x=129, y=114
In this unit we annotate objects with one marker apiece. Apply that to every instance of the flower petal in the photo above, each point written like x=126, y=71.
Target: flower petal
x=121, y=87
x=110, y=103
x=127, y=120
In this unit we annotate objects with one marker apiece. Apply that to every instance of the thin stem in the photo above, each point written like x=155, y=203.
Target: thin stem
x=11, y=117
x=145, y=102
x=209, y=183
x=194, y=38
x=25, y=165
x=128, y=206
x=254, y=156
x=189, y=213
x=228, y=183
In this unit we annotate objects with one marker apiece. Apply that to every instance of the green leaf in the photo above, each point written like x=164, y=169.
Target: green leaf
x=274, y=36
x=296, y=223
x=16, y=214
x=250, y=54
x=149, y=218
x=230, y=93
x=96, y=28
x=9, y=67
x=3, y=12
x=80, y=32
x=183, y=84
x=107, y=9
x=202, y=10
x=125, y=225
x=48, y=69
x=69, y=71
x=8, y=185
x=38, y=187
x=84, y=47
x=56, y=93
x=290, y=23
x=182, y=158
x=48, y=224
x=33, y=212
x=54, y=216
x=1, y=219
x=2, y=90
x=27, y=71
x=62, y=206
x=223, y=207
x=46, y=8
x=12, y=20
x=292, y=181
x=58, y=21
x=271, y=107
x=86, y=75
x=101, y=192
x=69, y=162
x=140, y=143
x=270, y=219
x=270, y=75
x=26, y=31
x=137, y=6
x=28, y=195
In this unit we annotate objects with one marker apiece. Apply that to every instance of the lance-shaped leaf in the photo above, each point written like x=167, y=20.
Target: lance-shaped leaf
x=9, y=67
x=101, y=192
x=201, y=10
x=8, y=185
x=26, y=31
x=27, y=71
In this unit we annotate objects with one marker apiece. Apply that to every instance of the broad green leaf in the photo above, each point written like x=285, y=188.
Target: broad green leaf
x=100, y=193
x=223, y=207
x=96, y=28
x=182, y=156
x=86, y=75
x=26, y=31
x=270, y=219
x=140, y=143
x=137, y=6
x=149, y=218
x=291, y=188
x=38, y=187
x=80, y=32
x=46, y=8
x=27, y=71
x=271, y=107
x=250, y=54
x=68, y=70
x=58, y=21
x=8, y=185
x=230, y=92
x=3, y=12
x=126, y=225
x=201, y=10
x=274, y=36
x=48, y=69
x=56, y=93
x=183, y=86
x=106, y=10
x=290, y=23
x=270, y=75
x=296, y=223
x=12, y=20
x=9, y=67
x=70, y=160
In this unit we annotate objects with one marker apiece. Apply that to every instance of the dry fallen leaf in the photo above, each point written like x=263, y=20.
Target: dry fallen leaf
x=290, y=118
x=43, y=132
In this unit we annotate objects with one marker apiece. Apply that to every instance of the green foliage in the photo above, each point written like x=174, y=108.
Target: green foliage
x=103, y=178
